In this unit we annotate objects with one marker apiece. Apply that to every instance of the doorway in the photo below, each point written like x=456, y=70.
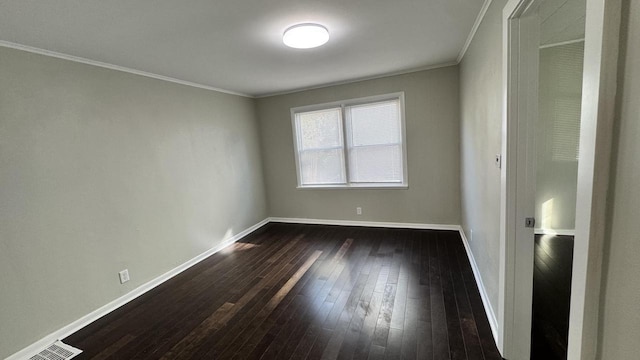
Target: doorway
x=526, y=24
x=557, y=135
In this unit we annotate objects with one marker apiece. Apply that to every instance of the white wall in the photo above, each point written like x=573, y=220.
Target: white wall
x=480, y=141
x=432, y=127
x=620, y=296
x=103, y=170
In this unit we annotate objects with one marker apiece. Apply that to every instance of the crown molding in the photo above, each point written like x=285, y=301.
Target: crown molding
x=373, y=77
x=101, y=64
x=474, y=29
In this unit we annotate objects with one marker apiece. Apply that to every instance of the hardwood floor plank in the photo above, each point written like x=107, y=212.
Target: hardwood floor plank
x=106, y=353
x=439, y=333
x=383, y=324
x=410, y=330
x=348, y=312
x=356, y=329
x=425, y=344
x=365, y=338
x=400, y=301
x=466, y=319
x=376, y=353
x=457, y=350
x=320, y=344
x=394, y=345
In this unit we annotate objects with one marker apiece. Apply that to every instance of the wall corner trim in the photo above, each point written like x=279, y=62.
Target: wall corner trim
x=71, y=328
x=488, y=309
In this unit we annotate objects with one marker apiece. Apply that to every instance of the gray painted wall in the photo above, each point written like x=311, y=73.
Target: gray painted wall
x=619, y=306
x=432, y=124
x=481, y=140
x=104, y=170
x=558, y=134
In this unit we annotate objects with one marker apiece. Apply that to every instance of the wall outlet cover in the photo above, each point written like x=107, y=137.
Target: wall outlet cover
x=124, y=276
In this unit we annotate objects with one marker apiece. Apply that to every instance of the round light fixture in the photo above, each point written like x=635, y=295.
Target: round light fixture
x=305, y=36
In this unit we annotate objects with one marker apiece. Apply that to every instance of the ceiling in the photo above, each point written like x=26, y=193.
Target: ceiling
x=236, y=45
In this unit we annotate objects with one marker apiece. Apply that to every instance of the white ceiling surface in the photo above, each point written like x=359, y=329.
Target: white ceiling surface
x=236, y=45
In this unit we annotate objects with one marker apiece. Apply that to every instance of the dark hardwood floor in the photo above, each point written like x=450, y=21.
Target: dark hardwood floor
x=551, y=296
x=308, y=292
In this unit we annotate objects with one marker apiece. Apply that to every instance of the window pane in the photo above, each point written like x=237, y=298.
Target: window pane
x=376, y=164
x=322, y=167
x=373, y=124
x=319, y=129
x=369, y=137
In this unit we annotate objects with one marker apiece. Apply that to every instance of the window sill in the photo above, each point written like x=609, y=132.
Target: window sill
x=353, y=186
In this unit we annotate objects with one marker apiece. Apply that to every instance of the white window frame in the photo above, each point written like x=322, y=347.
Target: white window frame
x=345, y=132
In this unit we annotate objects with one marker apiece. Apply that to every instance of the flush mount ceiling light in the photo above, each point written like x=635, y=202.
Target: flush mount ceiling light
x=305, y=36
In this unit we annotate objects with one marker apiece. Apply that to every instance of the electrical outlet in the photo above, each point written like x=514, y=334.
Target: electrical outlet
x=358, y=210
x=124, y=276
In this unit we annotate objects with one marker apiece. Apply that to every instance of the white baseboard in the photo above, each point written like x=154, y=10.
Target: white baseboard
x=365, y=223
x=562, y=232
x=115, y=304
x=488, y=309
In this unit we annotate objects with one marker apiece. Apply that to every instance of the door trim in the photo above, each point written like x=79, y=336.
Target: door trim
x=598, y=110
x=520, y=86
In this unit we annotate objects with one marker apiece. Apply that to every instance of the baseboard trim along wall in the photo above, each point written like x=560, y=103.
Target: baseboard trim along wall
x=488, y=309
x=62, y=333
x=117, y=303
x=364, y=223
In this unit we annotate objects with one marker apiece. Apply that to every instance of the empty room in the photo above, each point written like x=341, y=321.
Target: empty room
x=432, y=179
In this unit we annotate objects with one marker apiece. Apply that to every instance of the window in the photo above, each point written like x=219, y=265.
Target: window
x=353, y=143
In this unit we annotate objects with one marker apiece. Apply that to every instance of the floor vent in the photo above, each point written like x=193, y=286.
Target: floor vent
x=57, y=351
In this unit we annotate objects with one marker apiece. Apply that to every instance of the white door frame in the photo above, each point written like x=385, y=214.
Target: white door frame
x=520, y=76
x=520, y=41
